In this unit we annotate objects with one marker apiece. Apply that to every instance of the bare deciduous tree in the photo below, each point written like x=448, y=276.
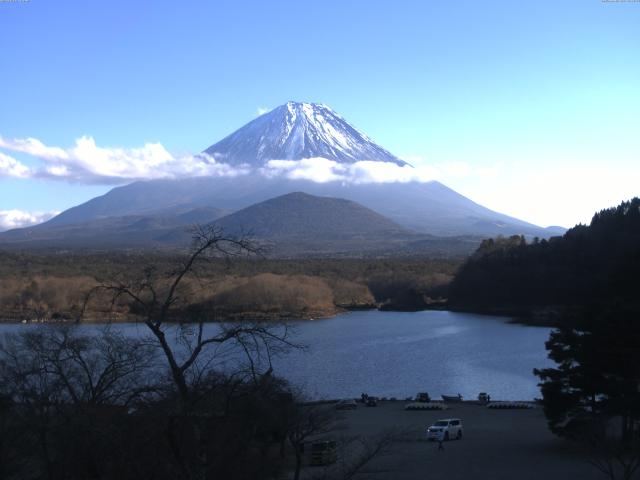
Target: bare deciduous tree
x=162, y=303
x=157, y=297
x=59, y=383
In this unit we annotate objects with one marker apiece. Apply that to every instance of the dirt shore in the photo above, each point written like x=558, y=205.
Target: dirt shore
x=497, y=444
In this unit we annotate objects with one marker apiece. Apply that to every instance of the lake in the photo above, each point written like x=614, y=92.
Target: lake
x=401, y=353
x=397, y=354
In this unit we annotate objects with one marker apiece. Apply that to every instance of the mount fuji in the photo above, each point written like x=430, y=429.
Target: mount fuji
x=296, y=131
x=143, y=213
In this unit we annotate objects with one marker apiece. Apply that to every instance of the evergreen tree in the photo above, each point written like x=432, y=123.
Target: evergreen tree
x=596, y=262
x=597, y=378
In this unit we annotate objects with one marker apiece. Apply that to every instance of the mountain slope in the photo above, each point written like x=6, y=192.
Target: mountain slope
x=302, y=215
x=428, y=207
x=133, y=231
x=291, y=226
x=295, y=131
x=301, y=225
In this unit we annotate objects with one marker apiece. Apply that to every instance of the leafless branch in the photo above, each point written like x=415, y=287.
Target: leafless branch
x=156, y=297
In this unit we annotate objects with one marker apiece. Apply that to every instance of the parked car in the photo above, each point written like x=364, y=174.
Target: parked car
x=346, y=405
x=446, y=429
x=372, y=402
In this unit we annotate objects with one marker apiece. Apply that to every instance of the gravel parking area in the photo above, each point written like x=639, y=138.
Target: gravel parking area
x=497, y=444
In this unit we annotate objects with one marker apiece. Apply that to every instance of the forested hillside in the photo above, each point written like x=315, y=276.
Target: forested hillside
x=594, y=264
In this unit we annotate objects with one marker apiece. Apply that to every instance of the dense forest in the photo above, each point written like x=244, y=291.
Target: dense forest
x=598, y=264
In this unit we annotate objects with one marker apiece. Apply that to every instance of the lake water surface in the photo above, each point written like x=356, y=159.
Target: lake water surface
x=399, y=354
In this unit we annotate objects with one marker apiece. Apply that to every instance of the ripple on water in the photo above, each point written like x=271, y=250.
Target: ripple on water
x=398, y=354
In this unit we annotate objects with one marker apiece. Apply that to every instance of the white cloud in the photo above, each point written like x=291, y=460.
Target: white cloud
x=315, y=169
x=322, y=170
x=263, y=110
x=86, y=162
x=384, y=172
x=33, y=147
x=18, y=218
x=10, y=167
x=552, y=189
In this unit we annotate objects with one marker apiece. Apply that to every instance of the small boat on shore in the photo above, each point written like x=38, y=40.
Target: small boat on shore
x=452, y=398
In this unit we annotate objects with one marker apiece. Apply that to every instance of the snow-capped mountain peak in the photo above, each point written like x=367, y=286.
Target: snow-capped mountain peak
x=295, y=131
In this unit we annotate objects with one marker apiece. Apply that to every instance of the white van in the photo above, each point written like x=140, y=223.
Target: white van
x=446, y=429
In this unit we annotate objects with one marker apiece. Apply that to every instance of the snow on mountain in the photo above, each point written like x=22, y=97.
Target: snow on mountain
x=297, y=131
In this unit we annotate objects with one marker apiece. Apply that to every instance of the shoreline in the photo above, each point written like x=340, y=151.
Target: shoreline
x=539, y=316
x=512, y=315
x=450, y=405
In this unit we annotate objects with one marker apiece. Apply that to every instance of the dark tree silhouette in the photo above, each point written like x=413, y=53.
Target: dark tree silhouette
x=64, y=397
x=593, y=395
x=598, y=372
x=595, y=263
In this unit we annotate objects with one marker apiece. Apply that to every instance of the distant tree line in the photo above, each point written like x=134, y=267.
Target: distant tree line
x=599, y=263
x=52, y=287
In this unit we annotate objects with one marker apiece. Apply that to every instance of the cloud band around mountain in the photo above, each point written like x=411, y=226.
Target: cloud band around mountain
x=88, y=163
x=323, y=170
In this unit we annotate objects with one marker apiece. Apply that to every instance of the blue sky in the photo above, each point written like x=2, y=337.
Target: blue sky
x=527, y=107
